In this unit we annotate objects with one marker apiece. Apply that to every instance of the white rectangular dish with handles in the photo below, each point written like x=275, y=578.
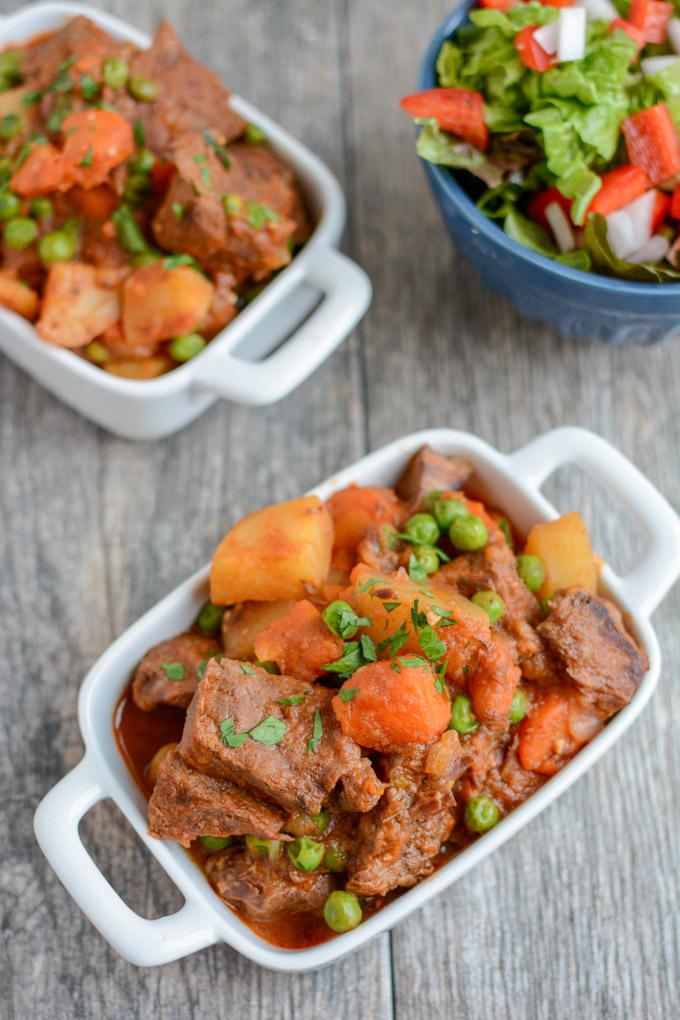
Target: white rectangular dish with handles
x=282, y=314
x=513, y=482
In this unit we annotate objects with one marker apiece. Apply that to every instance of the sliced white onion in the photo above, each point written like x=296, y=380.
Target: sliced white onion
x=652, y=65
x=560, y=226
x=629, y=229
x=547, y=36
x=641, y=212
x=674, y=33
x=599, y=10
x=655, y=250
x=571, y=40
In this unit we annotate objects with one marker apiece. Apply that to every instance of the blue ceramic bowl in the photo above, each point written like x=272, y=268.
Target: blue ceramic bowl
x=576, y=304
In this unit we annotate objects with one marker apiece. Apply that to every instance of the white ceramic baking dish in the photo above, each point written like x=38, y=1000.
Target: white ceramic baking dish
x=511, y=481
x=291, y=327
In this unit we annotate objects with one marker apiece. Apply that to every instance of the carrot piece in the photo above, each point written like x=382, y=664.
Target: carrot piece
x=653, y=142
x=356, y=508
x=392, y=706
x=557, y=3
x=460, y=111
x=619, y=187
x=17, y=296
x=299, y=642
x=540, y=202
x=42, y=172
x=96, y=141
x=544, y=734
x=530, y=52
x=651, y=17
x=96, y=203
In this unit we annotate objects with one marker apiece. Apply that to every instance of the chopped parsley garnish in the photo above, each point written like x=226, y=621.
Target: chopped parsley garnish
x=89, y=87
x=139, y=132
x=295, y=699
x=175, y=261
x=416, y=571
x=395, y=642
x=32, y=96
x=173, y=670
x=228, y=736
x=391, y=606
x=371, y=583
x=87, y=158
x=431, y=644
x=270, y=731
x=348, y=693
x=259, y=215
x=57, y=117
x=368, y=648
x=248, y=670
x=413, y=662
x=200, y=157
x=418, y=617
x=204, y=173
x=178, y=209
x=202, y=666
x=317, y=733
x=218, y=149
x=439, y=684
x=444, y=613
x=504, y=525
x=352, y=658
x=232, y=204
x=345, y=621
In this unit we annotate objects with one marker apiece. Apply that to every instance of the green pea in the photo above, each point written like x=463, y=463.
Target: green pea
x=184, y=348
x=115, y=72
x=492, y=604
x=422, y=529
x=137, y=188
x=254, y=135
x=214, y=843
x=56, y=247
x=97, y=352
x=10, y=68
x=340, y=619
x=262, y=847
x=481, y=814
x=532, y=572
x=320, y=821
x=20, y=232
x=463, y=719
x=427, y=557
x=142, y=89
x=143, y=162
x=209, y=619
x=10, y=126
x=431, y=498
x=41, y=208
x=305, y=853
x=232, y=204
x=335, y=858
x=342, y=911
x=518, y=708
x=447, y=509
x=10, y=205
x=468, y=533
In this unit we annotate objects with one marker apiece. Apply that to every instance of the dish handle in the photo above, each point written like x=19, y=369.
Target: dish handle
x=141, y=941
x=650, y=579
x=347, y=294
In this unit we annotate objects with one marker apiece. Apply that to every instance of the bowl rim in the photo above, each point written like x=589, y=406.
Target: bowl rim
x=446, y=179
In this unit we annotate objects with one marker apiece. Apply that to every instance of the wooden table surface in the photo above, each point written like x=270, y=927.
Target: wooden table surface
x=577, y=917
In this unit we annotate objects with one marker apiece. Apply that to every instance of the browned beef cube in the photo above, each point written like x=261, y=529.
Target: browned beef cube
x=239, y=242
x=398, y=839
x=190, y=96
x=169, y=673
x=264, y=889
x=493, y=568
x=292, y=772
x=586, y=636
x=186, y=804
x=80, y=37
x=428, y=470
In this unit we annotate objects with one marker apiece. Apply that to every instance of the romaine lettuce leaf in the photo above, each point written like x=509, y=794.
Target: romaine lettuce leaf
x=437, y=146
x=596, y=243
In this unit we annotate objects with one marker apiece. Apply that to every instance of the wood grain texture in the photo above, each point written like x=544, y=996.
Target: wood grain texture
x=578, y=917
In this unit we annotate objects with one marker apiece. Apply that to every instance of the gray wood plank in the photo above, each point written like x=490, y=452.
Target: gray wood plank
x=95, y=530
x=578, y=916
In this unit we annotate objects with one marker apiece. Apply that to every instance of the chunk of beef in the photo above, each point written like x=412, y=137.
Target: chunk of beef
x=380, y=550
x=190, y=97
x=493, y=568
x=264, y=889
x=169, y=673
x=186, y=804
x=587, y=637
x=250, y=241
x=299, y=643
x=398, y=839
x=493, y=683
x=508, y=783
x=428, y=470
x=290, y=772
x=223, y=305
x=79, y=38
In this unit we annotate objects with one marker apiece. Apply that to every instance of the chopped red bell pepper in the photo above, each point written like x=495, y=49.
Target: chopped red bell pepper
x=460, y=111
x=662, y=204
x=557, y=3
x=636, y=34
x=619, y=187
x=651, y=17
x=496, y=5
x=540, y=202
x=675, y=203
x=653, y=142
x=530, y=52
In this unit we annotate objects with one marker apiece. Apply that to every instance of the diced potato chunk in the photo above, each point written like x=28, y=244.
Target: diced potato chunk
x=566, y=553
x=160, y=303
x=75, y=307
x=19, y=298
x=275, y=553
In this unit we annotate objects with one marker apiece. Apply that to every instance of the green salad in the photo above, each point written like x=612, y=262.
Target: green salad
x=565, y=120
